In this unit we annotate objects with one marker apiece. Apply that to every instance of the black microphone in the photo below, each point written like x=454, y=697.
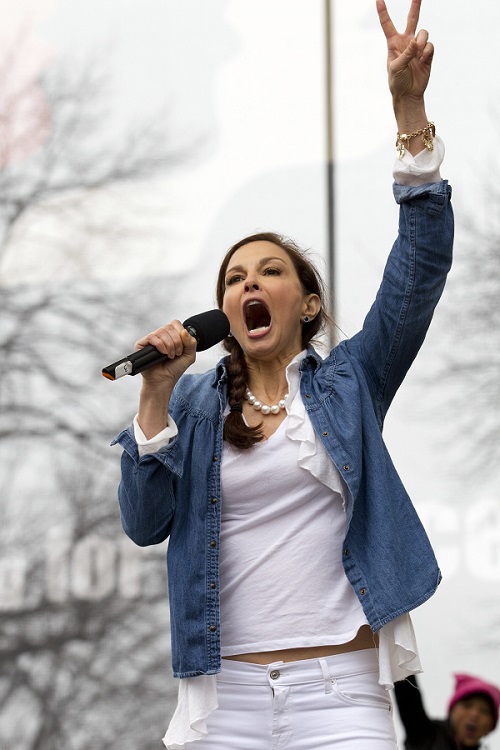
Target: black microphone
x=208, y=328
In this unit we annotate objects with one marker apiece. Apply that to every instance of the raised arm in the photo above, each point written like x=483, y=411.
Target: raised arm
x=416, y=270
x=418, y=726
x=409, y=61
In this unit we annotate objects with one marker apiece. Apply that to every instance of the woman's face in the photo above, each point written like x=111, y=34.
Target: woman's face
x=471, y=719
x=265, y=302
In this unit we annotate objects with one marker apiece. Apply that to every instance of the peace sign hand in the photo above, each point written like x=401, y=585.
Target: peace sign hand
x=409, y=56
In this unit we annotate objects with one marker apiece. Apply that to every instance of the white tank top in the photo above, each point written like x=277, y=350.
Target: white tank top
x=282, y=583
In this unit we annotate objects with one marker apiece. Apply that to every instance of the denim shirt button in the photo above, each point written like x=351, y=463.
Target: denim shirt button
x=346, y=467
x=215, y=458
x=213, y=628
x=362, y=592
x=214, y=501
x=213, y=543
x=213, y=585
x=346, y=552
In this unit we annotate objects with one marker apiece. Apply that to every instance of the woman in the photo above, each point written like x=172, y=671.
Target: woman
x=294, y=552
x=472, y=715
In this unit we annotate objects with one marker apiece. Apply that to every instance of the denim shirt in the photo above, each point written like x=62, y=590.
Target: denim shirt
x=387, y=557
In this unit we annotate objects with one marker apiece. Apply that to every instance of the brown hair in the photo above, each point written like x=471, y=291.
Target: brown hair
x=236, y=431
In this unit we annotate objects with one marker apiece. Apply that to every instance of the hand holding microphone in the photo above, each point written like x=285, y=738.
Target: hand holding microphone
x=208, y=328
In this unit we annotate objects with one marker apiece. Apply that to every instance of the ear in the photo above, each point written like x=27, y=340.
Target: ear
x=311, y=306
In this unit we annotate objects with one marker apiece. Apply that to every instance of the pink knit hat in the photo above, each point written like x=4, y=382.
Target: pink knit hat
x=466, y=684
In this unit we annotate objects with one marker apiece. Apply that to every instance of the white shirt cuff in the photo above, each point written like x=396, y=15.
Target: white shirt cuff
x=154, y=444
x=422, y=168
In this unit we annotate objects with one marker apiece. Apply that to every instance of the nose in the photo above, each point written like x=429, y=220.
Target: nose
x=251, y=286
x=474, y=714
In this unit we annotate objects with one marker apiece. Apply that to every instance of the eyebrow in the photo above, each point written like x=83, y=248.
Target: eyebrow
x=262, y=262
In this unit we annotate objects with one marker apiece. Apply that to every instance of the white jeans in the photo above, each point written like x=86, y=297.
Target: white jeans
x=332, y=703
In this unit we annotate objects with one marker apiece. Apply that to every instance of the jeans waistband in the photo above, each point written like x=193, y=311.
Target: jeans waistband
x=307, y=670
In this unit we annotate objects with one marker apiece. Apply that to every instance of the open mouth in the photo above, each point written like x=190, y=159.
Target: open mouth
x=470, y=731
x=257, y=317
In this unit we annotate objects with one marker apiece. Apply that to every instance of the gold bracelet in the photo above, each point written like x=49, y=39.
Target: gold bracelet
x=427, y=134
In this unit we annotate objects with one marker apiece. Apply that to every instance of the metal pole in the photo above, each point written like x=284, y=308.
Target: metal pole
x=330, y=176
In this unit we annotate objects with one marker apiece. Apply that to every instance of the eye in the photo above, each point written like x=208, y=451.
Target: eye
x=271, y=271
x=233, y=279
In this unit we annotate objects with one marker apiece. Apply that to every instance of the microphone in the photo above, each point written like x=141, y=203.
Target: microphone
x=208, y=328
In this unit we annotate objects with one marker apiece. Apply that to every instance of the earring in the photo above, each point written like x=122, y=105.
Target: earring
x=306, y=319
x=230, y=335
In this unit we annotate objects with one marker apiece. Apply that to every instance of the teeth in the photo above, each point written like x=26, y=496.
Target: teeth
x=261, y=328
x=253, y=302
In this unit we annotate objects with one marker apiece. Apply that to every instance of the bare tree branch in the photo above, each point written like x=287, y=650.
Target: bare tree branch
x=84, y=628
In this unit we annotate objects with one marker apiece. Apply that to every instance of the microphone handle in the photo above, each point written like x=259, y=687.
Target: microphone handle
x=144, y=358
x=139, y=360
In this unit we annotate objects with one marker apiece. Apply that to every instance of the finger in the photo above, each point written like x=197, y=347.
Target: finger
x=427, y=53
x=155, y=338
x=162, y=341
x=385, y=19
x=413, y=16
x=405, y=58
x=166, y=339
x=422, y=39
x=189, y=342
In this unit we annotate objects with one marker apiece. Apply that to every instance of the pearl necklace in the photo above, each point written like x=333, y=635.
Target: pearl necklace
x=265, y=408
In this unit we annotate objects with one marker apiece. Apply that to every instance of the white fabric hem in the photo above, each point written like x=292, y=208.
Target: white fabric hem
x=421, y=169
x=312, y=454
x=398, y=651
x=154, y=444
x=197, y=699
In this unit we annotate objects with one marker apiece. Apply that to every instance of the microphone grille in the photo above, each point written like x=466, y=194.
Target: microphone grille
x=209, y=328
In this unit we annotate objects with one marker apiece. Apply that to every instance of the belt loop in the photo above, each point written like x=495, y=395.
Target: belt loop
x=326, y=675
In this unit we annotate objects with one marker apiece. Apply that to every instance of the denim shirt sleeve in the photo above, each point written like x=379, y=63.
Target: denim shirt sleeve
x=158, y=491
x=412, y=283
x=145, y=493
